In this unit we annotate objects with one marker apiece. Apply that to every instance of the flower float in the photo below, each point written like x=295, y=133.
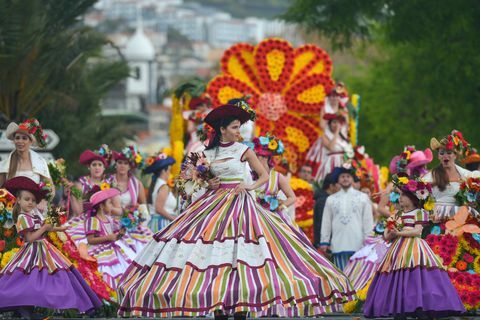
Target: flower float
x=303, y=205
x=287, y=87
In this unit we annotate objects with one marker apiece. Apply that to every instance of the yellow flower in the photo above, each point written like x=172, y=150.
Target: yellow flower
x=403, y=180
x=10, y=206
x=350, y=306
x=2, y=206
x=273, y=145
x=104, y=186
x=429, y=205
x=407, y=155
x=138, y=158
x=456, y=140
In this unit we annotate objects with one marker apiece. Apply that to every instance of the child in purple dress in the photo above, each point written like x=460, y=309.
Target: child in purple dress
x=39, y=275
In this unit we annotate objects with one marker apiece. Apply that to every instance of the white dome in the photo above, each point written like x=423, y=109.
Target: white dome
x=139, y=47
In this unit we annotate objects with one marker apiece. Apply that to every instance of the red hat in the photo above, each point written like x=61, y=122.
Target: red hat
x=333, y=116
x=119, y=156
x=88, y=156
x=23, y=183
x=197, y=101
x=236, y=108
x=100, y=196
x=420, y=158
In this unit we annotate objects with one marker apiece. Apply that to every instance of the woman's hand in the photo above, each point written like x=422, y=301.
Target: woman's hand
x=214, y=183
x=241, y=187
x=60, y=229
x=47, y=227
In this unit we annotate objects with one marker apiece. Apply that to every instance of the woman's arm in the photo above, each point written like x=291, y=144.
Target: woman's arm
x=330, y=144
x=162, y=196
x=255, y=164
x=287, y=190
x=142, y=198
x=76, y=204
x=117, y=209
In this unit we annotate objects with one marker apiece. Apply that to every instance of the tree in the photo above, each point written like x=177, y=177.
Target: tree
x=424, y=81
x=53, y=69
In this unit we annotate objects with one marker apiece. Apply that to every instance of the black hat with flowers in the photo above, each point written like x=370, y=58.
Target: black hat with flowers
x=417, y=187
x=236, y=108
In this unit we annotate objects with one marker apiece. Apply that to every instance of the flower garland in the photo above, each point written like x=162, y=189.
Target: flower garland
x=33, y=127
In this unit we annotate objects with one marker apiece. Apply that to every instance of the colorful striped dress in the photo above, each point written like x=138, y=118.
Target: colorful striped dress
x=226, y=252
x=40, y=275
x=141, y=235
x=76, y=225
x=364, y=263
x=411, y=277
x=113, y=258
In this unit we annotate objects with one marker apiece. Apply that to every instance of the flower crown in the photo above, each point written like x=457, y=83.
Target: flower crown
x=404, y=159
x=159, y=156
x=270, y=144
x=205, y=131
x=105, y=152
x=453, y=142
x=416, y=186
x=33, y=127
x=243, y=104
x=134, y=156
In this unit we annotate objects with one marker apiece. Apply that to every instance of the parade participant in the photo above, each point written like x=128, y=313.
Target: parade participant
x=23, y=161
x=199, y=107
x=335, y=145
x=447, y=176
x=328, y=188
x=39, y=275
x=411, y=280
x=365, y=262
x=104, y=237
x=266, y=147
x=347, y=219
x=225, y=249
x=305, y=173
x=132, y=193
x=161, y=199
x=96, y=161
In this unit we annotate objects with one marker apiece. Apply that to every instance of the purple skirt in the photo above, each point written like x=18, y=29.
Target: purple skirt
x=402, y=292
x=64, y=289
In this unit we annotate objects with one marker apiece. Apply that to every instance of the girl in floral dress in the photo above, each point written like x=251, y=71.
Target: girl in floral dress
x=104, y=237
x=226, y=253
x=39, y=275
x=411, y=280
x=132, y=193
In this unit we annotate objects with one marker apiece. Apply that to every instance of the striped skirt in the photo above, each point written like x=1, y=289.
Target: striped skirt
x=411, y=278
x=225, y=252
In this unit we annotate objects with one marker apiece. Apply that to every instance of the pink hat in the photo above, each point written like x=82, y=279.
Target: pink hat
x=393, y=164
x=420, y=158
x=100, y=196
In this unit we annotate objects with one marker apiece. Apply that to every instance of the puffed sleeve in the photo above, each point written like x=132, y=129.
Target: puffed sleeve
x=26, y=223
x=92, y=226
x=421, y=217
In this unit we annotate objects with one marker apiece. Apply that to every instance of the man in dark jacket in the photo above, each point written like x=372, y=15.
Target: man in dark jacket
x=321, y=194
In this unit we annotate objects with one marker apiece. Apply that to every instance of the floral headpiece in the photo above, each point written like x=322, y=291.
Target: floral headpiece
x=268, y=145
x=33, y=127
x=416, y=186
x=105, y=152
x=243, y=104
x=205, y=132
x=454, y=141
x=404, y=159
x=133, y=155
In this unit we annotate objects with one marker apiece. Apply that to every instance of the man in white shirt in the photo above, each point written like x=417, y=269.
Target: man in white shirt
x=347, y=219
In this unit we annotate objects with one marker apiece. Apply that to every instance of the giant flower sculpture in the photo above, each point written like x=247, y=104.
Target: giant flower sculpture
x=287, y=87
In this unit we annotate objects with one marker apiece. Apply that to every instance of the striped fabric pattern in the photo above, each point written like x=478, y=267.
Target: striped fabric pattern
x=227, y=252
x=39, y=254
x=411, y=252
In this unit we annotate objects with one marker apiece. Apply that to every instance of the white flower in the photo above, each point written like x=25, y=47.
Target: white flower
x=422, y=194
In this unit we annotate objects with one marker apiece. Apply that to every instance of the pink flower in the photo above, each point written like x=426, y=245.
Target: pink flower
x=411, y=185
x=468, y=258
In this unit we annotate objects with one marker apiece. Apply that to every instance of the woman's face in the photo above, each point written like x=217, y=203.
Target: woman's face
x=96, y=169
x=446, y=157
x=122, y=167
x=22, y=142
x=333, y=125
x=232, y=132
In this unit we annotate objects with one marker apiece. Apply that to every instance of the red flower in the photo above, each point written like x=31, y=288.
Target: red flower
x=449, y=145
x=460, y=279
x=461, y=265
x=468, y=258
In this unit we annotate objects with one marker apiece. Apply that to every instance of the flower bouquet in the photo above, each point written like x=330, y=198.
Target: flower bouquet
x=267, y=200
x=58, y=172
x=8, y=233
x=194, y=175
x=394, y=222
x=131, y=218
x=56, y=216
x=469, y=194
